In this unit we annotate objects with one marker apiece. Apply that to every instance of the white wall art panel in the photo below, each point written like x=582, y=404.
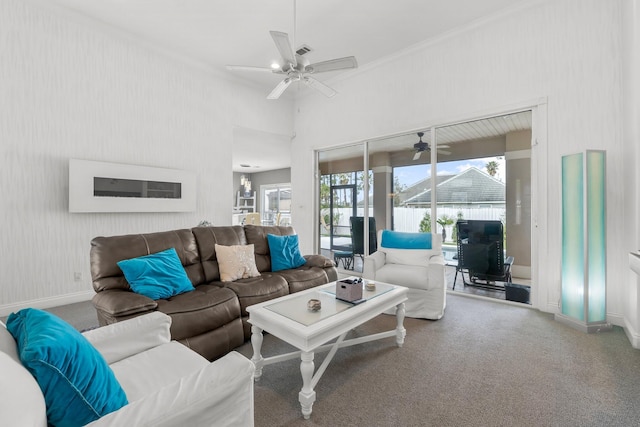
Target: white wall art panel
x=116, y=187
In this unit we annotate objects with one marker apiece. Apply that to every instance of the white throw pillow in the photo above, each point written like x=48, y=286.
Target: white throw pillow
x=236, y=262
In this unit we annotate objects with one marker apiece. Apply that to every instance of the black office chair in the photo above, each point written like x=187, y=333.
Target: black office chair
x=481, y=254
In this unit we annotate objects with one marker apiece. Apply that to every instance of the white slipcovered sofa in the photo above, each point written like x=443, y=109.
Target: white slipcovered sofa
x=413, y=260
x=166, y=383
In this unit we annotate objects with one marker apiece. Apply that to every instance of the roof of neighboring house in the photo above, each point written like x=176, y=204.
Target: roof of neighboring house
x=469, y=186
x=422, y=186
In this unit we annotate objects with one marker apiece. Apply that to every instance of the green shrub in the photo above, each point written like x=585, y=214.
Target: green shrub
x=425, y=224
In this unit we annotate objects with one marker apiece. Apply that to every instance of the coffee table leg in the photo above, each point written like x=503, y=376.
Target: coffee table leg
x=307, y=395
x=257, y=359
x=401, y=332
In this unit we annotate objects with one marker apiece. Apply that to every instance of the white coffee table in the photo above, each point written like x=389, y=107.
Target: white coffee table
x=289, y=319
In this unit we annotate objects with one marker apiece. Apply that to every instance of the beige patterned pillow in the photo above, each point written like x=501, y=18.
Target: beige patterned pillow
x=236, y=262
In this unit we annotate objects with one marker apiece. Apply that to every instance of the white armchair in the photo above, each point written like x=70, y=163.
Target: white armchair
x=415, y=261
x=166, y=383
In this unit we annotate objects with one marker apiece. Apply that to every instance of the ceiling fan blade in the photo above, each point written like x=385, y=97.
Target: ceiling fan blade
x=332, y=65
x=443, y=146
x=444, y=152
x=250, y=68
x=284, y=47
x=277, y=91
x=320, y=87
x=417, y=155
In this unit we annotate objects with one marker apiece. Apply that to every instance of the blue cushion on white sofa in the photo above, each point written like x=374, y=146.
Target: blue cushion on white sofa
x=78, y=385
x=157, y=276
x=404, y=240
x=393, y=243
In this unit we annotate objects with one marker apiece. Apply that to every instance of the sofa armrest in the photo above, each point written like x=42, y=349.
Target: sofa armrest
x=120, y=340
x=373, y=263
x=436, y=272
x=220, y=393
x=436, y=259
x=319, y=261
x=118, y=302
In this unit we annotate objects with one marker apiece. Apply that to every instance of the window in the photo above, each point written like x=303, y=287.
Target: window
x=275, y=204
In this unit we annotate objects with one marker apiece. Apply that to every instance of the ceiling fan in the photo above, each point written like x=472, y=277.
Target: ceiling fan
x=421, y=146
x=295, y=67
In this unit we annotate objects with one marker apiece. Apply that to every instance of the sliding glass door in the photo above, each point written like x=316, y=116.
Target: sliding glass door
x=342, y=199
x=424, y=181
x=342, y=206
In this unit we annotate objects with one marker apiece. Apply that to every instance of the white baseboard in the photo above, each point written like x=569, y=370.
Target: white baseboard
x=49, y=302
x=496, y=300
x=632, y=334
x=551, y=308
x=616, y=319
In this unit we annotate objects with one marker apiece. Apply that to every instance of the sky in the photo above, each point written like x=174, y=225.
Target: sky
x=409, y=175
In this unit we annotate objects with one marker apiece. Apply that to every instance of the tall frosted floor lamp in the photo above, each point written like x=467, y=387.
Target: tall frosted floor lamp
x=584, y=267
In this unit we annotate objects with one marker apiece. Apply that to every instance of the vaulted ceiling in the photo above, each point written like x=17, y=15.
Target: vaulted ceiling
x=216, y=33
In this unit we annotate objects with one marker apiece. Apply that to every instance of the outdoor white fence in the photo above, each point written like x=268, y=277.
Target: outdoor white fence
x=408, y=219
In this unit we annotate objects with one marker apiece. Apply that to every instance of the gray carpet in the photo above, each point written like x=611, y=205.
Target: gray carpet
x=483, y=364
x=80, y=315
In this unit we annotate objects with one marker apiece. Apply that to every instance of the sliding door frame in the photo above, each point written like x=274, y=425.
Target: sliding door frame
x=540, y=293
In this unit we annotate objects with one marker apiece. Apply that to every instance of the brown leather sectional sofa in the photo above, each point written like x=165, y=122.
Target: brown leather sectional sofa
x=212, y=319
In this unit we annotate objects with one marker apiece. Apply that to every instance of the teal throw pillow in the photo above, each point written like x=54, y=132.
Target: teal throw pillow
x=404, y=240
x=285, y=253
x=157, y=276
x=77, y=384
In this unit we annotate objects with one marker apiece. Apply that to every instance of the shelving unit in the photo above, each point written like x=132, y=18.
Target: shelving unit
x=246, y=204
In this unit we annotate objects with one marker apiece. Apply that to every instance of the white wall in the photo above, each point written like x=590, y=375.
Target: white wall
x=567, y=52
x=631, y=132
x=71, y=88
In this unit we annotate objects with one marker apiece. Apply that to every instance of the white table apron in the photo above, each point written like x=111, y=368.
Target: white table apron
x=324, y=331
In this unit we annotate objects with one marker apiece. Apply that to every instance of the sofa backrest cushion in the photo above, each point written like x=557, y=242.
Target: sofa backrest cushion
x=78, y=385
x=21, y=401
x=107, y=251
x=404, y=240
x=207, y=238
x=258, y=236
x=395, y=255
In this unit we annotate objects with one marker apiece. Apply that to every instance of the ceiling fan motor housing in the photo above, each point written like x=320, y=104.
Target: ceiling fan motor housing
x=421, y=145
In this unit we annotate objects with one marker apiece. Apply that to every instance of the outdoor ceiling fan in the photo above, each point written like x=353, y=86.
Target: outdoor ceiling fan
x=295, y=67
x=421, y=146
